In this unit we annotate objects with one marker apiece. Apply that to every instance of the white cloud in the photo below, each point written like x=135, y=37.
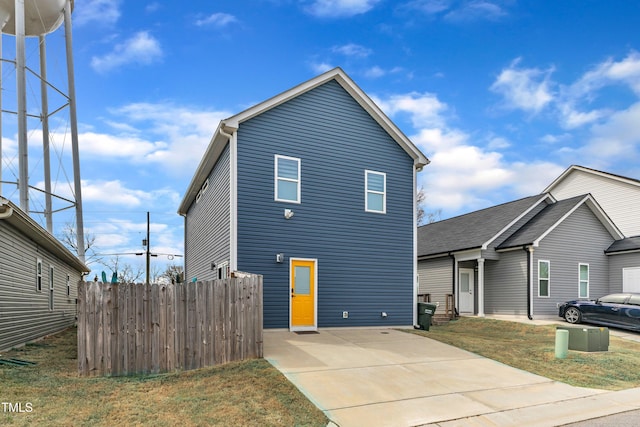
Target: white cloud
x=476, y=11
x=571, y=118
x=217, y=20
x=339, y=8
x=585, y=90
x=461, y=175
x=525, y=89
x=424, y=109
x=459, y=11
x=618, y=138
x=429, y=7
x=375, y=72
x=498, y=142
x=321, y=67
x=141, y=49
x=129, y=147
x=352, y=50
x=182, y=135
x=626, y=71
x=105, y=12
x=114, y=192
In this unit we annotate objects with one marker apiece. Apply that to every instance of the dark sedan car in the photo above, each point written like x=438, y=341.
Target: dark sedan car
x=615, y=310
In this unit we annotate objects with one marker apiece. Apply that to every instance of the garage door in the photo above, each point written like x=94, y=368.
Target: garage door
x=631, y=279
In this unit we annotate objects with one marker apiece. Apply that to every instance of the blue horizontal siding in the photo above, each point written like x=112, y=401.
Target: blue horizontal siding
x=365, y=260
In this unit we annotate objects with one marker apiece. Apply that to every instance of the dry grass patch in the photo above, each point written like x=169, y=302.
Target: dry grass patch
x=250, y=393
x=532, y=348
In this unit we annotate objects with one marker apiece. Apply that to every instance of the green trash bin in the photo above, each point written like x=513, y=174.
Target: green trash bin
x=425, y=312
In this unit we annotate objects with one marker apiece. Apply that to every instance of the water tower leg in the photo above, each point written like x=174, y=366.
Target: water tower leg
x=74, y=131
x=23, y=150
x=45, y=133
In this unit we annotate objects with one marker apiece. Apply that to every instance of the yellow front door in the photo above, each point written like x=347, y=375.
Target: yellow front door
x=303, y=294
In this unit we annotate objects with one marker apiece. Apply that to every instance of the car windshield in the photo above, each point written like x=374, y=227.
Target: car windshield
x=613, y=299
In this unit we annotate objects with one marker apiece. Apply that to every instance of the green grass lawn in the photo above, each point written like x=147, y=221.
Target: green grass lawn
x=532, y=348
x=249, y=393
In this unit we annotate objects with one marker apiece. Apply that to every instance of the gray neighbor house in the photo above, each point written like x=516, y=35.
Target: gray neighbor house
x=38, y=281
x=525, y=257
x=315, y=189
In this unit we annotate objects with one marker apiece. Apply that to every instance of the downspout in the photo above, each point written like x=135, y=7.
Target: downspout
x=5, y=211
x=233, y=198
x=453, y=284
x=529, y=251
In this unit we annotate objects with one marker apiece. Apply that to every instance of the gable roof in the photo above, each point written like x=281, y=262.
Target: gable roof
x=475, y=230
x=10, y=213
x=231, y=124
x=629, y=244
x=553, y=215
x=572, y=168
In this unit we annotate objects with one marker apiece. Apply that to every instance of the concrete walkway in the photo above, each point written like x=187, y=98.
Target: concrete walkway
x=383, y=377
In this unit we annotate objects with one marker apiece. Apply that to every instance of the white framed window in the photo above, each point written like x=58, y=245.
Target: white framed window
x=544, y=278
x=68, y=285
x=51, y=287
x=203, y=189
x=287, y=179
x=223, y=270
x=583, y=280
x=375, y=191
x=38, y=275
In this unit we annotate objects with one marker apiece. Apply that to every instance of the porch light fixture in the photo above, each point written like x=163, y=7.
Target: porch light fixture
x=288, y=214
x=280, y=258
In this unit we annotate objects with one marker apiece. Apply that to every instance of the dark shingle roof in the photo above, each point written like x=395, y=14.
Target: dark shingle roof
x=624, y=245
x=471, y=230
x=540, y=223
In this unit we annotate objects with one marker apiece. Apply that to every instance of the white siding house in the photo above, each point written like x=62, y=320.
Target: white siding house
x=619, y=196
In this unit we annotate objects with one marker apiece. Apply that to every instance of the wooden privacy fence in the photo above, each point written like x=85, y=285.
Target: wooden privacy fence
x=126, y=329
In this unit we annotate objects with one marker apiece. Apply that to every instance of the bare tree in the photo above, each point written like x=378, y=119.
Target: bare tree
x=68, y=238
x=125, y=272
x=422, y=216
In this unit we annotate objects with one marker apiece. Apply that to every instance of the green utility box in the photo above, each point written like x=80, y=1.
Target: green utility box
x=425, y=312
x=587, y=338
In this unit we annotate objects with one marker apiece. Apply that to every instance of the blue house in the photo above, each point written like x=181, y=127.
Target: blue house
x=315, y=189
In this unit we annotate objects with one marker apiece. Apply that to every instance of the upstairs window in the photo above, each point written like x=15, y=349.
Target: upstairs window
x=375, y=191
x=583, y=281
x=287, y=179
x=544, y=274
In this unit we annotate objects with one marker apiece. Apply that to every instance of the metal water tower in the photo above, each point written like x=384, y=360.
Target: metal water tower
x=32, y=19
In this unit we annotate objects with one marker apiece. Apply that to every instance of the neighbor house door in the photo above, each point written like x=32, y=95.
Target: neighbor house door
x=465, y=286
x=302, y=278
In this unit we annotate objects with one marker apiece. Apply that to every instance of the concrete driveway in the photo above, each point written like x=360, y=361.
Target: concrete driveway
x=384, y=377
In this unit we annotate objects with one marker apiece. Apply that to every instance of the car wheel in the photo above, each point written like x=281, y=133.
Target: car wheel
x=572, y=315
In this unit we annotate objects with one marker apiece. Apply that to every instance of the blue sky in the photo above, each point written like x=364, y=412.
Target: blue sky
x=502, y=96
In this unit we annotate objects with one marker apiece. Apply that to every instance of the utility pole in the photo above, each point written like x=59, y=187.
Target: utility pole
x=148, y=254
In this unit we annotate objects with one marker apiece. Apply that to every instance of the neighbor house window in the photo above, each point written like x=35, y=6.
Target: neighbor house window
x=223, y=270
x=39, y=275
x=68, y=285
x=583, y=280
x=544, y=275
x=51, y=287
x=287, y=179
x=375, y=191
